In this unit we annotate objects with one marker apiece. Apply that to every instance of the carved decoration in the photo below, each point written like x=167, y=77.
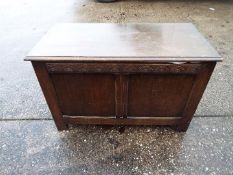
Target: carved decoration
x=122, y=68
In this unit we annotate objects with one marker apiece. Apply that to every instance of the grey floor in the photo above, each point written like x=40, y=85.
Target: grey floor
x=29, y=141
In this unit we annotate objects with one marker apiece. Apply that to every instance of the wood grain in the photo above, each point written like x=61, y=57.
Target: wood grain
x=49, y=93
x=123, y=74
x=121, y=121
x=80, y=94
x=107, y=42
x=123, y=68
x=158, y=95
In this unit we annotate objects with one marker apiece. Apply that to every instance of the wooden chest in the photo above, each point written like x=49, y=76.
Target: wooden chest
x=123, y=74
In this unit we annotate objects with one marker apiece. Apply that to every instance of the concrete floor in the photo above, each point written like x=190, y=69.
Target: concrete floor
x=35, y=147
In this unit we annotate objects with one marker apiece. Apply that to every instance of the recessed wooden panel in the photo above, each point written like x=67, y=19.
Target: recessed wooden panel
x=85, y=94
x=158, y=95
x=123, y=74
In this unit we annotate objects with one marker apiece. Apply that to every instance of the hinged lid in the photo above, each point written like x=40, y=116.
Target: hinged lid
x=123, y=42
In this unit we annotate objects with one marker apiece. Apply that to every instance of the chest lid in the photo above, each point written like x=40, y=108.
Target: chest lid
x=154, y=42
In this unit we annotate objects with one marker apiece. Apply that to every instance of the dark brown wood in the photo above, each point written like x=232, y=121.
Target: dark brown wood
x=118, y=97
x=158, y=95
x=124, y=42
x=155, y=95
x=124, y=79
x=181, y=127
x=69, y=59
x=81, y=94
x=122, y=121
x=123, y=68
x=198, y=89
x=49, y=93
x=138, y=74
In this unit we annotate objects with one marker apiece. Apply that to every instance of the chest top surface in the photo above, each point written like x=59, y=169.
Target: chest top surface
x=123, y=42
